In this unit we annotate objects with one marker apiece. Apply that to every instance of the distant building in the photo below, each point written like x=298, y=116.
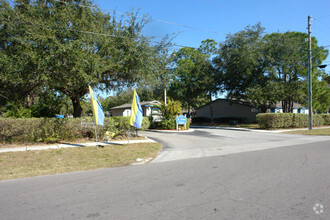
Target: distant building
x=297, y=108
x=225, y=108
x=147, y=107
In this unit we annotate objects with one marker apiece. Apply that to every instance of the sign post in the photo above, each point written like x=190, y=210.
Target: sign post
x=181, y=120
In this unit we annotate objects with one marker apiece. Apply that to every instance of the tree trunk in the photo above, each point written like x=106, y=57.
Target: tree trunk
x=77, y=109
x=291, y=106
x=285, y=106
x=28, y=101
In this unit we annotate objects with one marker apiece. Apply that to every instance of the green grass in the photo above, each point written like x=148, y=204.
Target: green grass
x=322, y=131
x=44, y=162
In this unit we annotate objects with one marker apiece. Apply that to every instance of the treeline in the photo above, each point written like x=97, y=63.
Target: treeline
x=50, y=51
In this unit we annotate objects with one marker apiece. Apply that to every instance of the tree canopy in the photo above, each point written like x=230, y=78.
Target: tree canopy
x=264, y=69
x=50, y=51
x=63, y=46
x=195, y=75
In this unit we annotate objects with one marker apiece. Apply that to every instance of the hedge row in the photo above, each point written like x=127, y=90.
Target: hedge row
x=31, y=130
x=290, y=120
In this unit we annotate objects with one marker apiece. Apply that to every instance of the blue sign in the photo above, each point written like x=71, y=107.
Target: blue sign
x=181, y=120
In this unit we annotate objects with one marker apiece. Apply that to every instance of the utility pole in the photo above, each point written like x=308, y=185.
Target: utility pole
x=310, y=108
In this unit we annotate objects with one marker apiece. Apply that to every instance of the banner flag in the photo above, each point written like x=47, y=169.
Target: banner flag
x=97, y=109
x=136, y=112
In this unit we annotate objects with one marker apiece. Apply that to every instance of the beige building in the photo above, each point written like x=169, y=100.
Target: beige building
x=297, y=108
x=224, y=108
x=125, y=110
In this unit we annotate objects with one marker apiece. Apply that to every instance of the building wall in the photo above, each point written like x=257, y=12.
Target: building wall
x=222, y=109
x=127, y=112
x=295, y=110
x=147, y=111
x=118, y=112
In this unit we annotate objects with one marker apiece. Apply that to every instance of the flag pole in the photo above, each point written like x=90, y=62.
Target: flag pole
x=95, y=134
x=97, y=146
x=129, y=136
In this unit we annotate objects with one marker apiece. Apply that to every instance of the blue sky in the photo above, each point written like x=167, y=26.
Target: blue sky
x=215, y=19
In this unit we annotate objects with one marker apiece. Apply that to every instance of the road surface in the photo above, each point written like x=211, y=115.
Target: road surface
x=216, y=142
x=290, y=182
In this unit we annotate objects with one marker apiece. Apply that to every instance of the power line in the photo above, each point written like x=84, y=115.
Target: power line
x=62, y=28
x=324, y=24
x=322, y=17
x=152, y=19
x=126, y=14
x=80, y=31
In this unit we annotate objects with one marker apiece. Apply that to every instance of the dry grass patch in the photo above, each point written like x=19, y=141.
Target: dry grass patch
x=321, y=131
x=76, y=141
x=36, y=163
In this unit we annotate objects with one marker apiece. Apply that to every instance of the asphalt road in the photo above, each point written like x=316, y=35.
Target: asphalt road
x=216, y=142
x=290, y=182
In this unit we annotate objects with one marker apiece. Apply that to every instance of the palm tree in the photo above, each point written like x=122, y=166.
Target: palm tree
x=170, y=110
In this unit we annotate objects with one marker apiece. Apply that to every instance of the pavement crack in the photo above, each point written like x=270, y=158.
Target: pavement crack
x=304, y=162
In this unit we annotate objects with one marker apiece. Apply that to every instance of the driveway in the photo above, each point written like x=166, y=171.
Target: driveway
x=205, y=142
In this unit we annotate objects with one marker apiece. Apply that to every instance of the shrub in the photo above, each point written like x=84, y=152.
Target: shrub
x=287, y=120
x=318, y=120
x=275, y=120
x=168, y=124
x=326, y=118
x=30, y=130
x=299, y=120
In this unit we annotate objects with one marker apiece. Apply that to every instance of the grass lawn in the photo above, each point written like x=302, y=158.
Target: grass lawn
x=36, y=163
x=322, y=131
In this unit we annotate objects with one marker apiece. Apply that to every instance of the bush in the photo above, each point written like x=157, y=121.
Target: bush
x=275, y=120
x=290, y=120
x=318, y=120
x=326, y=118
x=31, y=130
x=169, y=124
x=300, y=120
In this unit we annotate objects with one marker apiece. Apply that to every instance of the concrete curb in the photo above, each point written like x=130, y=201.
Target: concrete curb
x=58, y=146
x=256, y=130
x=172, y=131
